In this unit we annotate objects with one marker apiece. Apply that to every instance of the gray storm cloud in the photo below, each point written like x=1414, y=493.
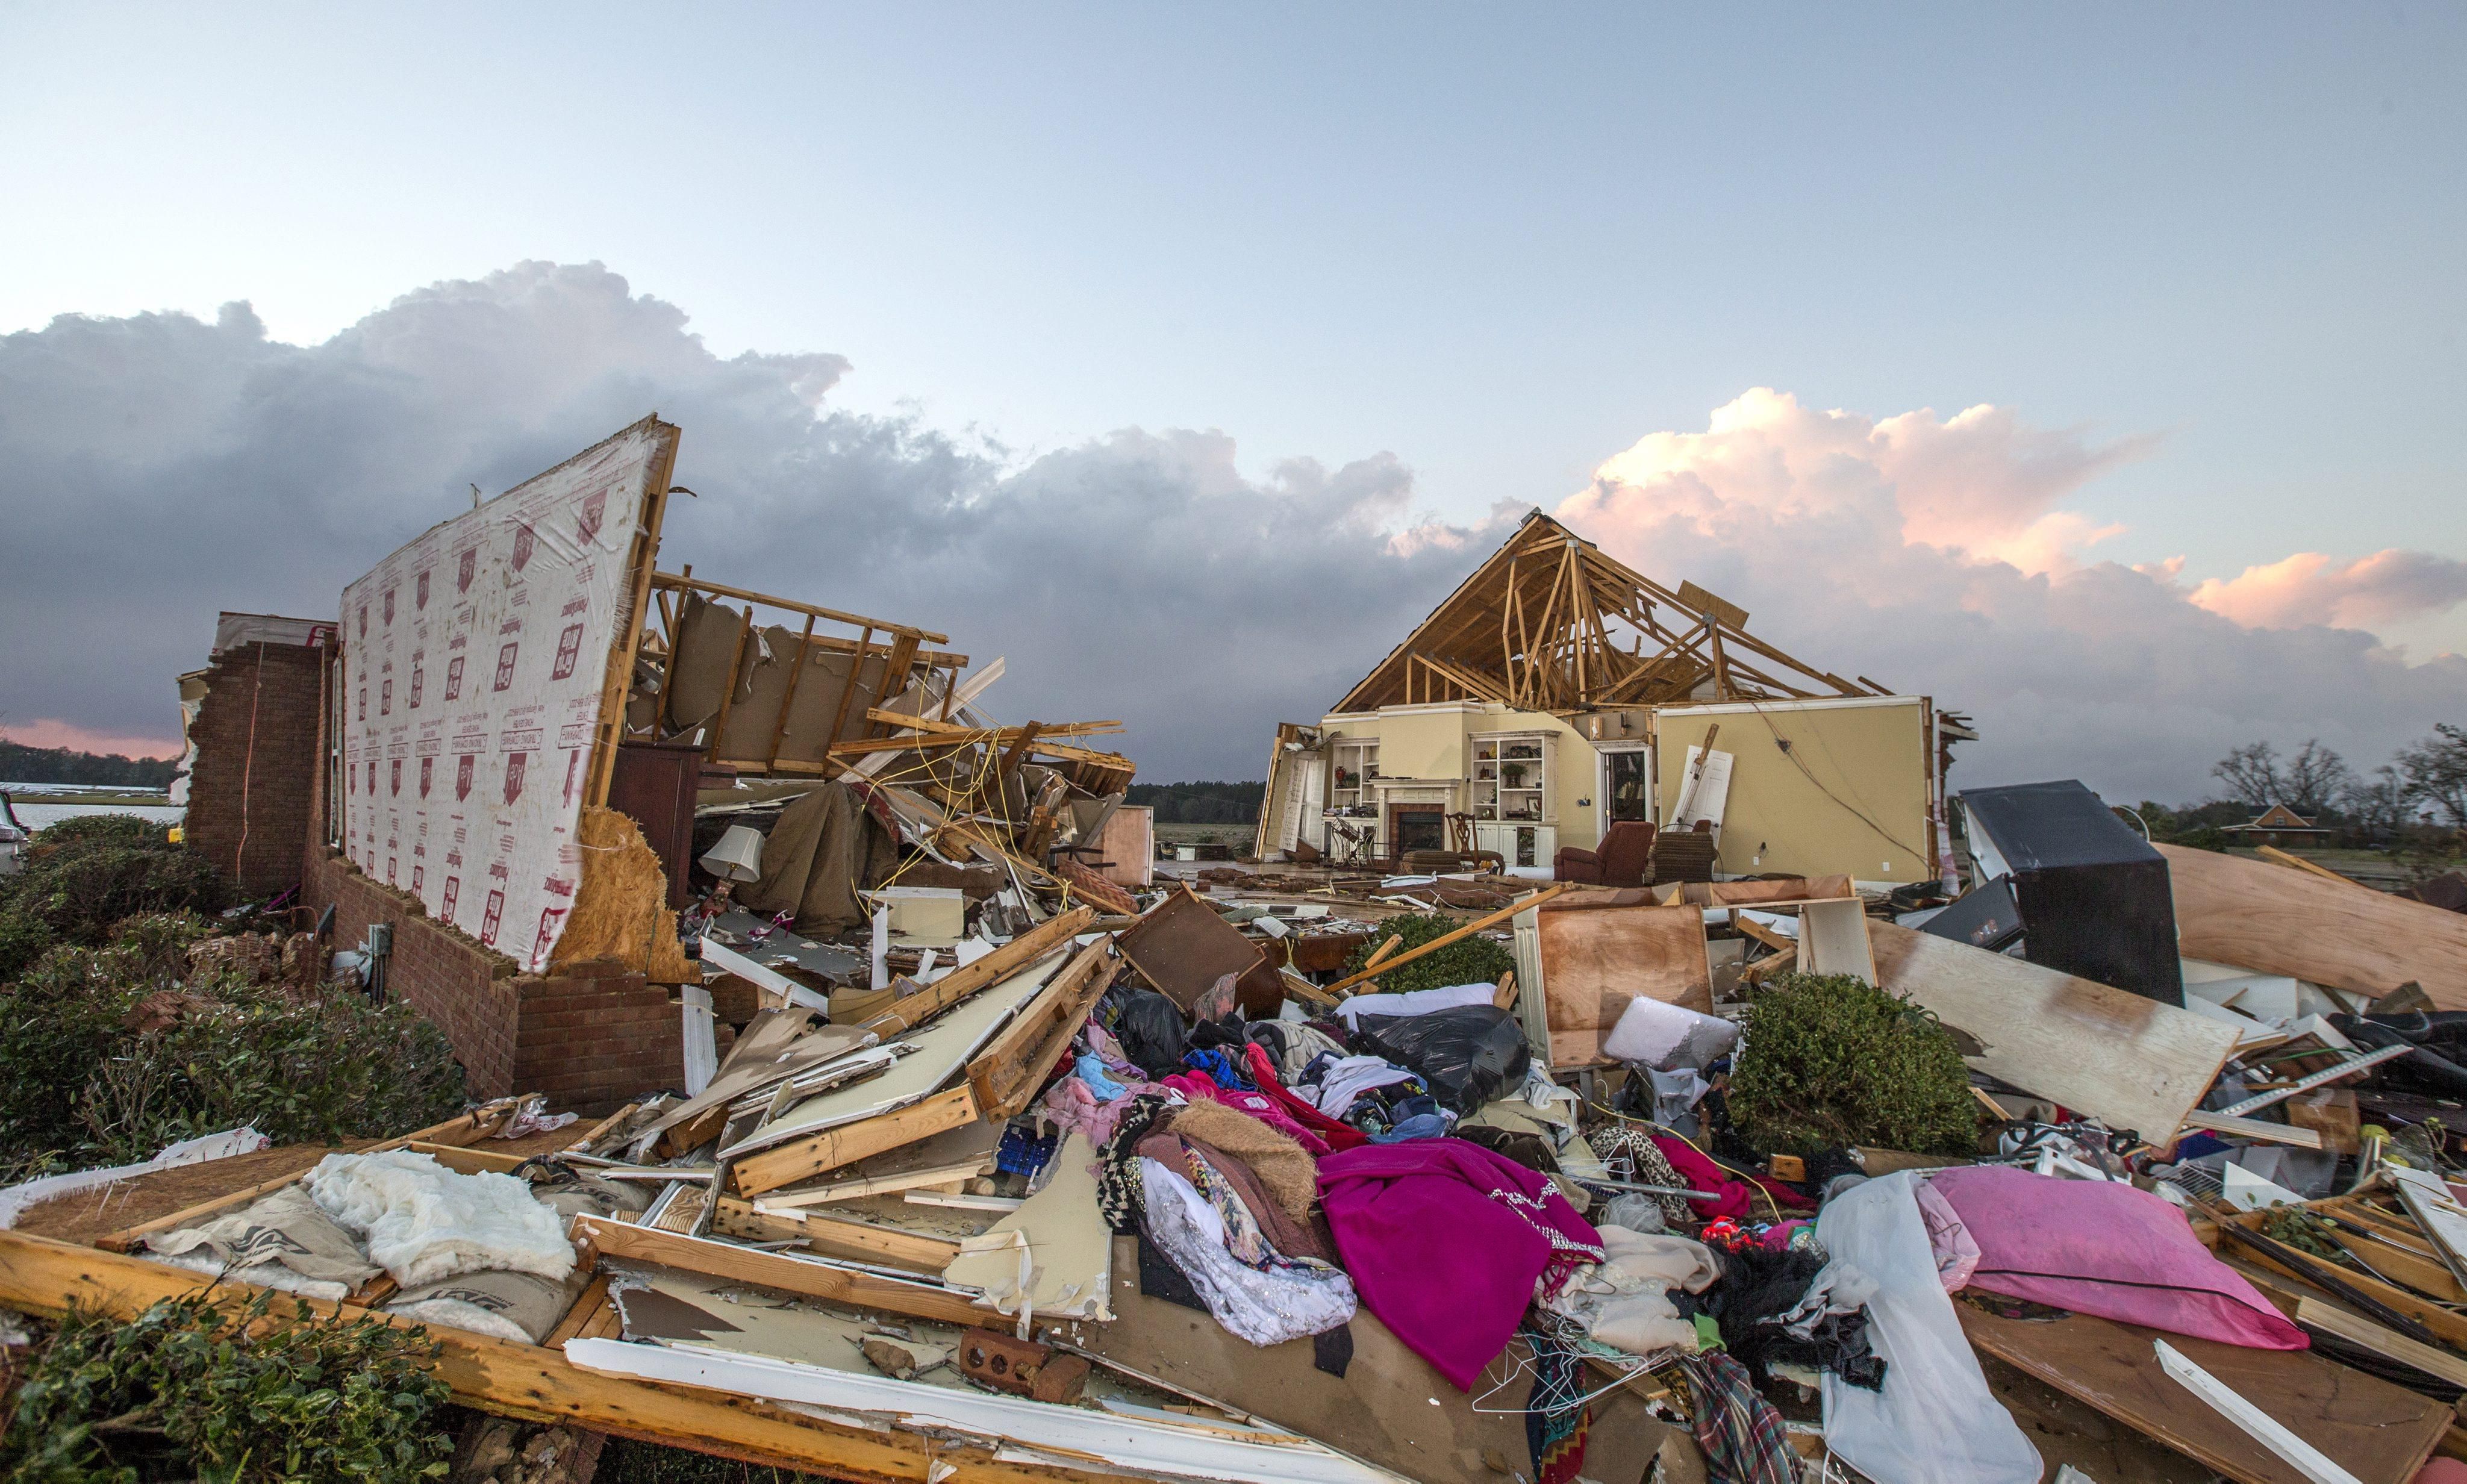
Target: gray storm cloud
x=160, y=468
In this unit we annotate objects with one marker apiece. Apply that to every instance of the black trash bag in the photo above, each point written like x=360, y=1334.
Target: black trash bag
x=1466, y=1056
x=1151, y=1033
x=2429, y=1067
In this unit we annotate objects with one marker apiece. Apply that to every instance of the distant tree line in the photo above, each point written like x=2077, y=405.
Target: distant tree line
x=1200, y=803
x=2420, y=790
x=23, y=764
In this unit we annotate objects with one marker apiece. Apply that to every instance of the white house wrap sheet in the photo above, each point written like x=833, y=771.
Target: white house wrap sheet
x=474, y=661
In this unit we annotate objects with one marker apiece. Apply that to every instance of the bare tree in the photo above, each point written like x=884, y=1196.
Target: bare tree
x=2434, y=771
x=2378, y=804
x=2251, y=773
x=2313, y=779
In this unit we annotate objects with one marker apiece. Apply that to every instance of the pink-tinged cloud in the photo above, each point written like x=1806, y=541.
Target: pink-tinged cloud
x=1981, y=480
x=1935, y=554
x=50, y=731
x=2386, y=587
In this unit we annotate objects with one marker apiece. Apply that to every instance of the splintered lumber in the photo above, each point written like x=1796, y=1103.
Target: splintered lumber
x=1009, y=1071
x=630, y=1242
x=2277, y=856
x=2271, y=920
x=848, y=1142
x=2252, y=1128
x=2378, y=1432
x=993, y=968
x=2314, y=1465
x=532, y=1383
x=1477, y=925
x=2315, y=1314
x=2132, y=1062
x=834, y=1237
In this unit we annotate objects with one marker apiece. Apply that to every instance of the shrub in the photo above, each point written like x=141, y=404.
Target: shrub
x=1473, y=961
x=84, y=874
x=187, y=1390
x=1829, y=1060
x=81, y=1078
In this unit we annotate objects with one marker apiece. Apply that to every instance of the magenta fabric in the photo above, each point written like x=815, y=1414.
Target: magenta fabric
x=1446, y=1243
x=1194, y=1086
x=1263, y=1072
x=1735, y=1197
x=2097, y=1246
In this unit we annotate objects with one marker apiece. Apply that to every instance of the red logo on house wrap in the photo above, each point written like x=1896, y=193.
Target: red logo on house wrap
x=427, y=769
x=506, y=664
x=385, y=697
x=489, y=920
x=463, y=776
x=524, y=541
x=572, y=761
x=420, y=589
x=364, y=699
x=372, y=774
x=389, y=605
x=416, y=872
x=550, y=916
x=397, y=767
x=453, y=890
x=389, y=870
x=454, y=679
x=569, y=649
x=464, y=567
x=364, y=621
x=593, y=510
x=417, y=676
x=514, y=776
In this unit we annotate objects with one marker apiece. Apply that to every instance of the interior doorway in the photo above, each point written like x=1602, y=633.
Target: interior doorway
x=1626, y=786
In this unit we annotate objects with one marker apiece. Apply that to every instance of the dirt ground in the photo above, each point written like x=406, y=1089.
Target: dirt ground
x=84, y=1216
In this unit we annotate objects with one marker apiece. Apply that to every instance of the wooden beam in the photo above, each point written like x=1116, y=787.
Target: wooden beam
x=830, y=1149
x=642, y=558
x=795, y=677
x=2277, y=856
x=747, y=595
x=1014, y=1066
x=534, y=1383
x=960, y=983
x=833, y=1237
x=848, y=693
x=1444, y=939
x=625, y=1240
x=728, y=697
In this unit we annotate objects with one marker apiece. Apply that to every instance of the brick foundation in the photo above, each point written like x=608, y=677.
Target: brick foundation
x=252, y=791
x=592, y=1037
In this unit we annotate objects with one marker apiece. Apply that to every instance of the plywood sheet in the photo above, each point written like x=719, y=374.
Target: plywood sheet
x=1594, y=960
x=2134, y=1063
x=2379, y=1432
x=2273, y=920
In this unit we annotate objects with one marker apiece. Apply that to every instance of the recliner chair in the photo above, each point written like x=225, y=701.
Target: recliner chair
x=1622, y=860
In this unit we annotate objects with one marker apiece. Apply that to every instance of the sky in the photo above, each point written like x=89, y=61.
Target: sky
x=2094, y=370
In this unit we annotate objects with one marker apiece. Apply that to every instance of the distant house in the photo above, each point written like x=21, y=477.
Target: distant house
x=2279, y=825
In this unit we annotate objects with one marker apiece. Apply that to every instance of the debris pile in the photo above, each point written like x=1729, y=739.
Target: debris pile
x=1000, y=1151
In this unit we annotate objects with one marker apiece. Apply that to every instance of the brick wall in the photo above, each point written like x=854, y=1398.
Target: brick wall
x=253, y=794
x=592, y=1037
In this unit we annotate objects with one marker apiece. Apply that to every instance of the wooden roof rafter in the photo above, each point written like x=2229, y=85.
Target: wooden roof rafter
x=1532, y=627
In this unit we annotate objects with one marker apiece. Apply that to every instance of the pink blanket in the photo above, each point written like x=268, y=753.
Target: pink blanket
x=1194, y=1086
x=1263, y=1072
x=2099, y=1248
x=1448, y=1243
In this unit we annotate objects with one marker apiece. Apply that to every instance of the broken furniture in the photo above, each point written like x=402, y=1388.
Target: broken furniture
x=1623, y=859
x=2092, y=894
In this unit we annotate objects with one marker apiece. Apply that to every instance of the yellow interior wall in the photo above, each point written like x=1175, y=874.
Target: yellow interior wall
x=1782, y=817
x=1427, y=746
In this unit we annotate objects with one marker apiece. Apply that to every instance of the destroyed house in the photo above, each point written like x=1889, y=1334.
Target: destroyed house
x=502, y=768
x=1558, y=692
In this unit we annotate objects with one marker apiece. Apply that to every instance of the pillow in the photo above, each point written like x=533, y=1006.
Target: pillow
x=2100, y=1248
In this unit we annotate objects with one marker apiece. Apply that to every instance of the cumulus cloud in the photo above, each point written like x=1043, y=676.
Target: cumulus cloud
x=1933, y=554
x=164, y=467
x=2387, y=587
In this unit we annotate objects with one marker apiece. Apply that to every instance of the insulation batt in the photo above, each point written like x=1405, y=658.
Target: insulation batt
x=424, y=1223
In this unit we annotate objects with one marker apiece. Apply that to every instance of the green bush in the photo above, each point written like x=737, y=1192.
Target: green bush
x=1473, y=961
x=189, y=1391
x=23, y=937
x=1826, y=1060
x=84, y=874
x=78, y=1080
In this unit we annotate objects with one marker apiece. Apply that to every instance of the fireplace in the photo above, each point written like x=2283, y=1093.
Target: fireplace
x=1417, y=827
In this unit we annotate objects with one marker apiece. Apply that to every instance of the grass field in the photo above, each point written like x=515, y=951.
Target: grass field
x=1206, y=834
